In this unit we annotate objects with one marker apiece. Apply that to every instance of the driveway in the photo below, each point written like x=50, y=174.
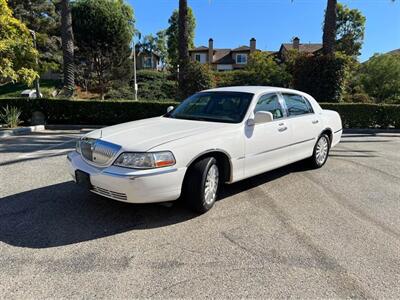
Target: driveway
x=294, y=232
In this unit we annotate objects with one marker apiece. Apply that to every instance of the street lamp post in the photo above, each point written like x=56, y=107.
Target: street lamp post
x=37, y=87
x=134, y=70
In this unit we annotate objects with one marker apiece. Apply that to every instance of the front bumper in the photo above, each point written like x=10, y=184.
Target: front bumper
x=128, y=185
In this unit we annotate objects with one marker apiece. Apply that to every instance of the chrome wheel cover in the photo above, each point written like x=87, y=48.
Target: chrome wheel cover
x=321, y=151
x=211, y=185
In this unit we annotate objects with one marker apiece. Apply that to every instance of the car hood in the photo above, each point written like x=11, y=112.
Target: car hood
x=145, y=134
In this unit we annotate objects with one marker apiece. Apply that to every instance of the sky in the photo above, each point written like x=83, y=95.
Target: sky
x=272, y=22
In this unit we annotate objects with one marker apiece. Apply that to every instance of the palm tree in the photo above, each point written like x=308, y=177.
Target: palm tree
x=329, y=35
x=67, y=40
x=183, y=37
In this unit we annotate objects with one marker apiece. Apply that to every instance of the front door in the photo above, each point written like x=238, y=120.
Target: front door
x=265, y=143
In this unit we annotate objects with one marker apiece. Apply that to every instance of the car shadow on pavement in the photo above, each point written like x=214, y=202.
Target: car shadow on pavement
x=64, y=214
x=252, y=182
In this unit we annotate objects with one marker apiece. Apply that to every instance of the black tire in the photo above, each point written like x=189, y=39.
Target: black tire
x=194, y=185
x=315, y=161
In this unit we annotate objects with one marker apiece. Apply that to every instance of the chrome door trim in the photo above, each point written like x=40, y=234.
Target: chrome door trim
x=282, y=147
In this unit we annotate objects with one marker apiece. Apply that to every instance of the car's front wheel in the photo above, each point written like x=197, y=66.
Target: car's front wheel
x=201, y=185
x=321, y=151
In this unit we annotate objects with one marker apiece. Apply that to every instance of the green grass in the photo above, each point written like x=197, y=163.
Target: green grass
x=14, y=90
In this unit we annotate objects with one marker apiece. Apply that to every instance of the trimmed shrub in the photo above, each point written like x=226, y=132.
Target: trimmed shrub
x=323, y=77
x=261, y=70
x=121, y=91
x=155, y=85
x=264, y=70
x=196, y=77
x=354, y=115
x=232, y=78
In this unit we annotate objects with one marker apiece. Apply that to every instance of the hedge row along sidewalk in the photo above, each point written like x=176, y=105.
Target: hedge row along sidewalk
x=110, y=112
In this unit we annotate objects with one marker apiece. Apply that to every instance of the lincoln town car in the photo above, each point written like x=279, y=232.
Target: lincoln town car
x=215, y=137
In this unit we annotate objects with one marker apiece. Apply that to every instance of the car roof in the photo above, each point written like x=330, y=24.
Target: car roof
x=258, y=90
x=253, y=89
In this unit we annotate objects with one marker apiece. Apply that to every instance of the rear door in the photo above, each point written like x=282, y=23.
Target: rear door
x=305, y=125
x=266, y=143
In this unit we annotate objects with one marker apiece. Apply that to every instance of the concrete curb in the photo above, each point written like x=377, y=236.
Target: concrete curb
x=21, y=131
x=370, y=130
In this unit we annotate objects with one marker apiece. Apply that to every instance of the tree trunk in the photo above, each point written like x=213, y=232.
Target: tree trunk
x=183, y=40
x=67, y=38
x=329, y=36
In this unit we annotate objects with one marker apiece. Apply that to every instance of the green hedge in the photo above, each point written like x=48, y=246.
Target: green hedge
x=357, y=115
x=324, y=77
x=362, y=115
x=94, y=112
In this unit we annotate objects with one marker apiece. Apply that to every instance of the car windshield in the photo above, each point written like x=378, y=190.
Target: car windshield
x=226, y=107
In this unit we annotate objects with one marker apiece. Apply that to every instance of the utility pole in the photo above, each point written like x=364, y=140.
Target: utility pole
x=134, y=69
x=37, y=87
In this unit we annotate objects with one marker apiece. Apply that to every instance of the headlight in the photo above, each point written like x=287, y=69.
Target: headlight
x=78, y=146
x=145, y=160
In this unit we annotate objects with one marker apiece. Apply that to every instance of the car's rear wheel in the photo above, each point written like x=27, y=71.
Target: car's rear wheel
x=201, y=185
x=321, y=151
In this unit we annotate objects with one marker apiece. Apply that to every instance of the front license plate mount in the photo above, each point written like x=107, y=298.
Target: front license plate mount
x=83, y=179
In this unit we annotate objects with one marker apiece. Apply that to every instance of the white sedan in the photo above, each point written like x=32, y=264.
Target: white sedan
x=216, y=136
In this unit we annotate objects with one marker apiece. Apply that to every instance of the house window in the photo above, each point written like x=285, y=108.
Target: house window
x=148, y=62
x=241, y=59
x=200, y=57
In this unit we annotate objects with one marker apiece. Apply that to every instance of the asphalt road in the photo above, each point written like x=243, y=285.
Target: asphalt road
x=294, y=232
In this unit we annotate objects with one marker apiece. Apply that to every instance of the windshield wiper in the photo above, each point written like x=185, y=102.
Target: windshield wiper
x=206, y=119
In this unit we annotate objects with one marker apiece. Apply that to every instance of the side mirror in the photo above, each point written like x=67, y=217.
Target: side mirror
x=170, y=108
x=260, y=117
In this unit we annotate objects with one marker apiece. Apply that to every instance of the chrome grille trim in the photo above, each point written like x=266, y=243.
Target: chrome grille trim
x=104, y=151
x=98, y=152
x=109, y=194
x=86, y=146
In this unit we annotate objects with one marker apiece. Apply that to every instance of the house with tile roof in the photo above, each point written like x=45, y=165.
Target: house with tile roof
x=306, y=48
x=226, y=59
x=223, y=59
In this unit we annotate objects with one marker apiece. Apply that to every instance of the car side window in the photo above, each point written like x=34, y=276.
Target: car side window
x=297, y=105
x=270, y=103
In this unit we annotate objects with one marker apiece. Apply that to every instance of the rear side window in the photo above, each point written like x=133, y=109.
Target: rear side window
x=297, y=105
x=270, y=103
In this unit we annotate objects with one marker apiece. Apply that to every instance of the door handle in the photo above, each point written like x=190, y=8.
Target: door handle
x=315, y=122
x=282, y=129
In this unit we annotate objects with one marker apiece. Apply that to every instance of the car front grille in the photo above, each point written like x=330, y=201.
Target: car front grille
x=98, y=152
x=109, y=194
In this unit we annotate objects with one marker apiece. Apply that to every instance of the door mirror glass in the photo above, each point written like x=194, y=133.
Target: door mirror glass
x=170, y=108
x=263, y=117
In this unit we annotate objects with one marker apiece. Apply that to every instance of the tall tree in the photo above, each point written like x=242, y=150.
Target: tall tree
x=17, y=54
x=329, y=35
x=350, y=28
x=183, y=33
x=103, y=32
x=41, y=16
x=162, y=47
x=172, y=33
x=67, y=38
x=380, y=77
